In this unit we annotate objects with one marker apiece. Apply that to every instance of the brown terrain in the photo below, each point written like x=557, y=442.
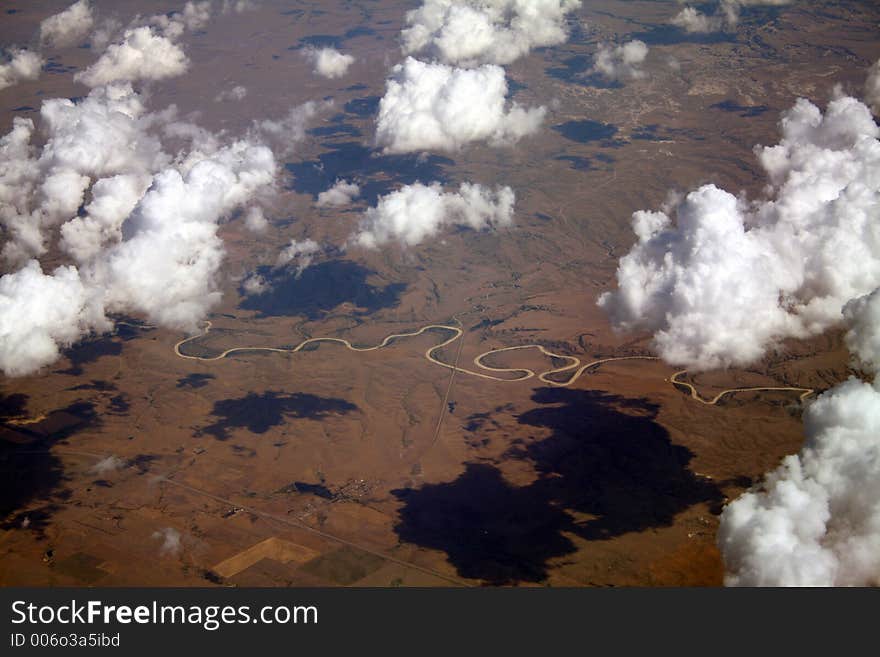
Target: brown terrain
x=380, y=468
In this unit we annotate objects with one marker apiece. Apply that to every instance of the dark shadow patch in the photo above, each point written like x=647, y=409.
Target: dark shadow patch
x=319, y=41
x=351, y=160
x=23, y=108
x=668, y=35
x=359, y=31
x=489, y=530
x=195, y=380
x=744, y=111
x=363, y=107
x=577, y=163
x=119, y=405
x=357, y=87
x=29, y=472
x=586, y=131
x=55, y=67
x=97, y=384
x=319, y=289
x=318, y=490
x=345, y=129
x=142, y=462
x=13, y=406
x=89, y=351
x=647, y=132
x=578, y=69
x=33, y=520
x=607, y=457
x=260, y=412
x=128, y=328
x=514, y=87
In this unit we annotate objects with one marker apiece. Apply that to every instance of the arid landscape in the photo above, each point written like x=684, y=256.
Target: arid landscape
x=147, y=455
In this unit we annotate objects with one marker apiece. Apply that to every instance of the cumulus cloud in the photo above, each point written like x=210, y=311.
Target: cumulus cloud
x=104, y=34
x=285, y=133
x=100, y=136
x=142, y=54
x=40, y=313
x=194, y=16
x=170, y=541
x=815, y=520
x=167, y=264
x=475, y=32
x=67, y=27
x=342, y=193
x=719, y=279
x=109, y=464
x=255, y=284
x=439, y=107
x=141, y=225
x=237, y=92
x=694, y=21
x=298, y=253
x=254, y=219
x=328, y=62
x=725, y=15
x=21, y=65
x=416, y=212
x=621, y=62
x=113, y=201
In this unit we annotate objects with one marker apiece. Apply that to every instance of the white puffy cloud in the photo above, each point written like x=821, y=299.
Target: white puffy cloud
x=194, y=16
x=141, y=225
x=342, y=193
x=237, y=92
x=143, y=54
x=815, y=520
x=254, y=219
x=300, y=253
x=113, y=200
x=438, y=107
x=725, y=15
x=40, y=313
x=19, y=175
x=67, y=27
x=238, y=6
x=872, y=87
x=621, y=62
x=476, y=32
x=255, y=284
x=103, y=135
x=285, y=133
x=109, y=464
x=22, y=65
x=729, y=278
x=170, y=541
x=694, y=21
x=416, y=212
x=167, y=264
x=328, y=62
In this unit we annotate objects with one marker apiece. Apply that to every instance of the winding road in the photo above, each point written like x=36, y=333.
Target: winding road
x=488, y=372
